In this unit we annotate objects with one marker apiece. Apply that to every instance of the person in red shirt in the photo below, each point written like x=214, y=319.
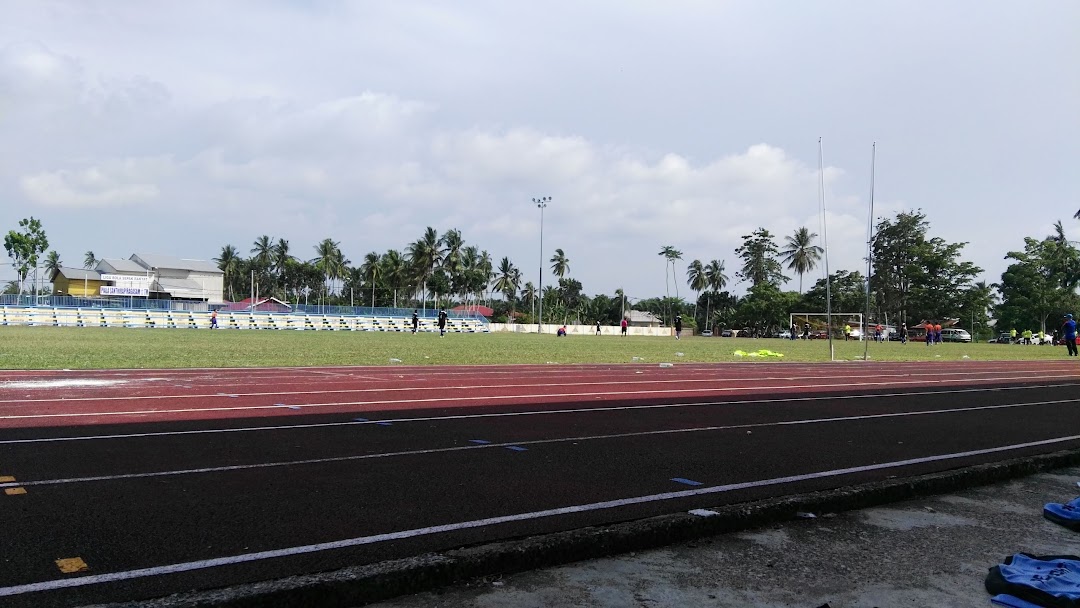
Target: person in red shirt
x=623, y=325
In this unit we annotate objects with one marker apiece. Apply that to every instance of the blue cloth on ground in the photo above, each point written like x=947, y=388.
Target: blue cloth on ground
x=1043, y=580
x=1067, y=514
x=1010, y=601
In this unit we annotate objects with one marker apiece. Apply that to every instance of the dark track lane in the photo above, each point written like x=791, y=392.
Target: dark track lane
x=119, y=525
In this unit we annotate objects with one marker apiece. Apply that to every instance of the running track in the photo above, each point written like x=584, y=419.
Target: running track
x=169, y=480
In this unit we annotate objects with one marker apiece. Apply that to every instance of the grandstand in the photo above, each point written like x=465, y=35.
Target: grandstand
x=386, y=320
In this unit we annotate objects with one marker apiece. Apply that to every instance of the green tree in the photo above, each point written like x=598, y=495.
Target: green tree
x=330, y=262
x=698, y=280
x=560, y=264
x=759, y=253
x=801, y=254
x=89, y=260
x=24, y=247
x=848, y=293
x=1032, y=288
x=765, y=308
x=228, y=262
x=371, y=271
x=52, y=264
x=424, y=255
x=918, y=278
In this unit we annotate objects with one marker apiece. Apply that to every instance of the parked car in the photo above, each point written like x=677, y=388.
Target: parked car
x=784, y=335
x=727, y=333
x=953, y=334
x=1002, y=338
x=707, y=333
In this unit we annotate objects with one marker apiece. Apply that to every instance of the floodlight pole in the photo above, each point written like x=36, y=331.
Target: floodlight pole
x=542, y=203
x=869, y=250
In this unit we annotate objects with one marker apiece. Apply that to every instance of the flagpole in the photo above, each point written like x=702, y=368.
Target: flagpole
x=825, y=241
x=869, y=250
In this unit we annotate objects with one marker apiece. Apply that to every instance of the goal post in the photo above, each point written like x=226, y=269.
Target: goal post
x=819, y=321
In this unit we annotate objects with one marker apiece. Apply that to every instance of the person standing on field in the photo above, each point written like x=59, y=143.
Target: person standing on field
x=1069, y=329
x=623, y=326
x=442, y=323
x=598, y=327
x=678, y=327
x=415, y=321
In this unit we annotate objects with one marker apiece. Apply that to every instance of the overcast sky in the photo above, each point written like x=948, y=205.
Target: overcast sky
x=179, y=127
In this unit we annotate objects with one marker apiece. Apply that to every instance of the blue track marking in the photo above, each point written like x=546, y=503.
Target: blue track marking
x=384, y=423
x=516, y=448
x=479, y=441
x=689, y=482
x=360, y=419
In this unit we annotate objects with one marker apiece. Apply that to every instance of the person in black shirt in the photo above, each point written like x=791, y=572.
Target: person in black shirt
x=415, y=321
x=678, y=327
x=442, y=323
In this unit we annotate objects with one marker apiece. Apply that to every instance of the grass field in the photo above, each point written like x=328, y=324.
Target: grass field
x=92, y=348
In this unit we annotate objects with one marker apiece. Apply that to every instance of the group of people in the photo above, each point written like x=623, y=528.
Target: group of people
x=933, y=333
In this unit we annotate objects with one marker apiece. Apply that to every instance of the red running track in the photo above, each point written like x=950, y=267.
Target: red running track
x=89, y=397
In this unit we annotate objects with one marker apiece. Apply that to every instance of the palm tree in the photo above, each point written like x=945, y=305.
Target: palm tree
x=670, y=254
x=279, y=259
x=560, y=264
x=263, y=251
x=228, y=262
x=801, y=253
x=394, y=271
x=506, y=283
x=424, y=255
x=52, y=264
x=330, y=262
x=716, y=280
x=90, y=260
x=371, y=270
x=697, y=280
x=529, y=293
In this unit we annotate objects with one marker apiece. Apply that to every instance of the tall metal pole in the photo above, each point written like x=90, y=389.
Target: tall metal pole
x=869, y=249
x=542, y=203
x=825, y=241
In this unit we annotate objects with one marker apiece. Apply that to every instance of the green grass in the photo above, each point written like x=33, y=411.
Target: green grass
x=95, y=348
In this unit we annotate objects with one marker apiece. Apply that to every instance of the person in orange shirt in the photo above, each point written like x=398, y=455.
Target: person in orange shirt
x=929, y=333
x=937, y=333
x=213, y=319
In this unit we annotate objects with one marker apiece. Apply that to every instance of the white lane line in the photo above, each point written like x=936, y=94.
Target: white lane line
x=288, y=427
x=934, y=378
x=288, y=463
x=471, y=399
x=493, y=521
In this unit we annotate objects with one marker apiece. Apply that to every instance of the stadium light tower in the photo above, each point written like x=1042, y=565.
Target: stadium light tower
x=541, y=202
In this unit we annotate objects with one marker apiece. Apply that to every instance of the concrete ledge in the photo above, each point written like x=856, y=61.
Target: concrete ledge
x=366, y=584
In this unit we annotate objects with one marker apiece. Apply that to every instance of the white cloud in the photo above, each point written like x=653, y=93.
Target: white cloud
x=115, y=183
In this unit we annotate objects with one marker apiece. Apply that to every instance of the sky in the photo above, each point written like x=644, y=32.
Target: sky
x=178, y=128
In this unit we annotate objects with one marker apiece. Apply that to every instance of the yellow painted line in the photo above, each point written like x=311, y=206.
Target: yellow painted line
x=14, y=491
x=6, y=479
x=70, y=565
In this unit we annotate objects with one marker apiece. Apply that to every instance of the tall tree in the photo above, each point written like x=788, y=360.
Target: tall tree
x=1034, y=287
x=917, y=278
x=424, y=255
x=698, y=281
x=25, y=247
x=52, y=264
x=228, y=262
x=395, y=271
x=330, y=262
x=670, y=255
x=560, y=264
x=759, y=253
x=371, y=271
x=89, y=260
x=507, y=279
x=263, y=251
x=717, y=281
x=801, y=254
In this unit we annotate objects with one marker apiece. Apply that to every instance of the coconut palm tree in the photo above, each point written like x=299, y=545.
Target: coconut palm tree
x=263, y=251
x=697, y=280
x=716, y=280
x=529, y=294
x=394, y=271
x=228, y=262
x=507, y=282
x=330, y=262
x=802, y=254
x=371, y=271
x=424, y=255
x=560, y=264
x=670, y=255
x=89, y=260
